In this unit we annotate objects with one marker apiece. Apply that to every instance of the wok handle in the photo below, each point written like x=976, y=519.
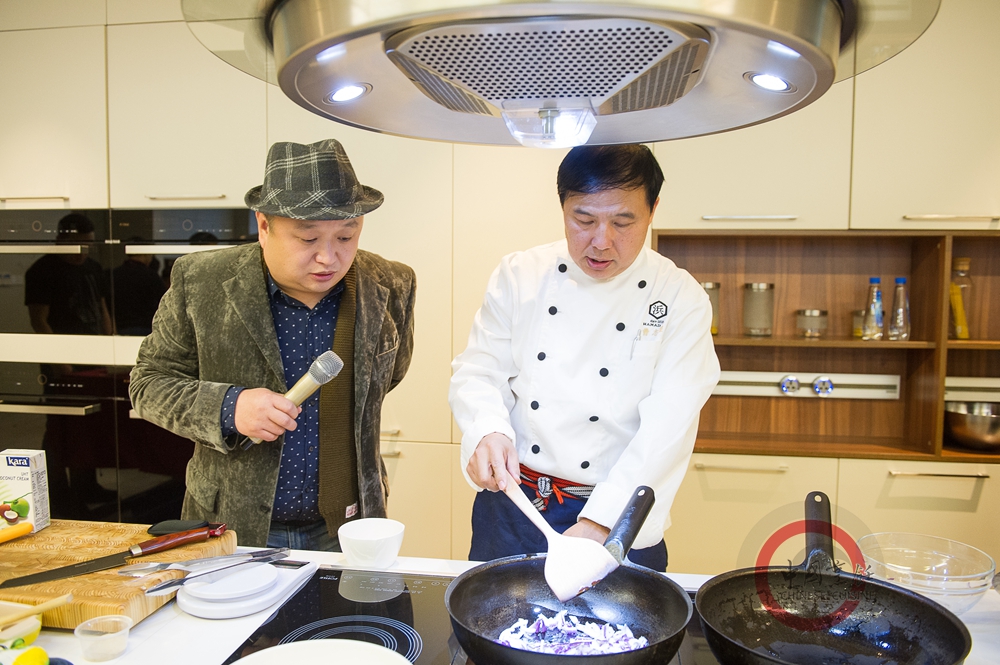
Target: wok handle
x=819, y=533
x=623, y=533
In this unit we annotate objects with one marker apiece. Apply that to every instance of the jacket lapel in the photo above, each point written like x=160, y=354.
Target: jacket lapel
x=367, y=331
x=246, y=290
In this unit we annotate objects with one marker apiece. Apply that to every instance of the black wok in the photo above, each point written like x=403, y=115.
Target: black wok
x=816, y=614
x=486, y=600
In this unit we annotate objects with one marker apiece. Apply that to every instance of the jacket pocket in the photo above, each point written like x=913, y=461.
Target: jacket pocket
x=201, y=490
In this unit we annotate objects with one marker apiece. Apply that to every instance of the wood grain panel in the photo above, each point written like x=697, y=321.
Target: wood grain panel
x=66, y=542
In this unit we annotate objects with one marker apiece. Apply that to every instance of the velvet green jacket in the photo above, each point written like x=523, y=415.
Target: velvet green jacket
x=213, y=330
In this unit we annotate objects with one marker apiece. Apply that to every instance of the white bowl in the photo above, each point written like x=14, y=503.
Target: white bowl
x=372, y=542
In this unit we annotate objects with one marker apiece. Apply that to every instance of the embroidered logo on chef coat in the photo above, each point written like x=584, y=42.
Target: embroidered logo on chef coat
x=658, y=310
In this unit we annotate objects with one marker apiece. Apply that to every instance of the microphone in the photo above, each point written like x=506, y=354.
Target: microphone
x=322, y=370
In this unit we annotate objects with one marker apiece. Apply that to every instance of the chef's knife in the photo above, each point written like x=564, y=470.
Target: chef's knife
x=213, y=575
x=120, y=559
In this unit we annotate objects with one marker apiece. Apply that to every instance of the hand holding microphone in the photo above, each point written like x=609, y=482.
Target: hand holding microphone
x=322, y=370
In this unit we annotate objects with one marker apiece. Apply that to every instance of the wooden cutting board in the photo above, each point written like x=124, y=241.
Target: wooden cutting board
x=66, y=542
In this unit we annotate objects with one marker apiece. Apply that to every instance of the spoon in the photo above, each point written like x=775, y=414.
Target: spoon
x=11, y=619
x=572, y=565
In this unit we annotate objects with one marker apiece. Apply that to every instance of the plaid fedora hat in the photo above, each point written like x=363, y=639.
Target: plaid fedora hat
x=314, y=181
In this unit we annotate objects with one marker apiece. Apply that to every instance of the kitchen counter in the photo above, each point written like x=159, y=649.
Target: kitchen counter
x=171, y=636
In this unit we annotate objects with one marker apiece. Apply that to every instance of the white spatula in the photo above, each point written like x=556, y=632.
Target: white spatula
x=572, y=565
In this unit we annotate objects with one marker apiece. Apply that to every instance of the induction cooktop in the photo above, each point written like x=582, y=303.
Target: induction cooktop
x=403, y=612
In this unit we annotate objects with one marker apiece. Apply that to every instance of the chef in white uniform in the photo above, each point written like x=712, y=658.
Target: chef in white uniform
x=586, y=368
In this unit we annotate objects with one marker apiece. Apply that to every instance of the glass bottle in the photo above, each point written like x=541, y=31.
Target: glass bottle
x=899, y=322
x=958, y=296
x=871, y=329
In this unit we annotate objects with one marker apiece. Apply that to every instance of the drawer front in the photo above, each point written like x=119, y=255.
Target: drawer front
x=950, y=500
x=729, y=506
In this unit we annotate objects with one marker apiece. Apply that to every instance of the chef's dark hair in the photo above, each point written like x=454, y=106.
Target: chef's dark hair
x=595, y=168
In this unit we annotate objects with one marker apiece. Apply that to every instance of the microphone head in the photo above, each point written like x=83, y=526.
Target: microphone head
x=325, y=367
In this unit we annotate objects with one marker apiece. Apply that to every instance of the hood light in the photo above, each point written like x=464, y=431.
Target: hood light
x=769, y=82
x=348, y=93
x=550, y=127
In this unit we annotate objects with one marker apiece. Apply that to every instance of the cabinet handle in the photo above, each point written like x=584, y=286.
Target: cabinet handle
x=388, y=432
x=952, y=218
x=4, y=199
x=210, y=197
x=781, y=468
x=939, y=475
x=170, y=249
x=41, y=249
x=50, y=409
x=392, y=453
x=750, y=218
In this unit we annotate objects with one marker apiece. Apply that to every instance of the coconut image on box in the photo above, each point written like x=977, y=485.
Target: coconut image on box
x=24, y=490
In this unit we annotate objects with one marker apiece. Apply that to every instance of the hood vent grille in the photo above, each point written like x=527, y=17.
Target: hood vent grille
x=439, y=89
x=662, y=85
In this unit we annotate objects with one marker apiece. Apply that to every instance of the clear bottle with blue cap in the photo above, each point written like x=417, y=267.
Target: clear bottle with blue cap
x=871, y=329
x=899, y=321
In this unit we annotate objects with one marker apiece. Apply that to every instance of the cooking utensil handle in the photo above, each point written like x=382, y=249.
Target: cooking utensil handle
x=513, y=490
x=52, y=604
x=623, y=533
x=819, y=533
x=170, y=540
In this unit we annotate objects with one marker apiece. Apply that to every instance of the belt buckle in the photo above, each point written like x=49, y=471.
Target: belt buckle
x=544, y=486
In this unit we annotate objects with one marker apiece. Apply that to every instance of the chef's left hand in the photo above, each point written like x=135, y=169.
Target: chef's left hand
x=587, y=529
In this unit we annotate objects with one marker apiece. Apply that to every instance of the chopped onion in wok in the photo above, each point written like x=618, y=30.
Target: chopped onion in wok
x=567, y=636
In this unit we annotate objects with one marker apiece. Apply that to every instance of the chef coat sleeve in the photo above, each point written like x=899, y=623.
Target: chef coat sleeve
x=685, y=374
x=480, y=395
x=164, y=384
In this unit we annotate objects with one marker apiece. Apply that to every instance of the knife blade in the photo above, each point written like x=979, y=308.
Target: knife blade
x=196, y=565
x=121, y=558
x=213, y=575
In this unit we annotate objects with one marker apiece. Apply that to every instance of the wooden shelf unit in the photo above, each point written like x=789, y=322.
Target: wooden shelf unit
x=830, y=270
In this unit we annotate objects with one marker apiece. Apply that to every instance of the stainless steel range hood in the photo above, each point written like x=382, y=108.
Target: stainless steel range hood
x=552, y=73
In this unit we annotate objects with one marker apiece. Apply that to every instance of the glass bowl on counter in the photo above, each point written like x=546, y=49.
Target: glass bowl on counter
x=948, y=572
x=973, y=424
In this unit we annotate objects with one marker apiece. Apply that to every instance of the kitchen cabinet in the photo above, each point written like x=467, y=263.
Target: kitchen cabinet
x=53, y=134
x=926, y=139
x=956, y=501
x=186, y=129
x=729, y=506
x=413, y=226
x=420, y=495
x=462, y=498
x=20, y=15
x=792, y=173
x=147, y=11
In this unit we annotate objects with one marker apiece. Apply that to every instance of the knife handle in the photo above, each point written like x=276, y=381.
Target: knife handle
x=170, y=540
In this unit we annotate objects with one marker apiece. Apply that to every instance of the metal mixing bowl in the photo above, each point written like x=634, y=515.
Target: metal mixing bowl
x=973, y=424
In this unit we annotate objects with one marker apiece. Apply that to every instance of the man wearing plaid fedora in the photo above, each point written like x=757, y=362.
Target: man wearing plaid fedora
x=239, y=326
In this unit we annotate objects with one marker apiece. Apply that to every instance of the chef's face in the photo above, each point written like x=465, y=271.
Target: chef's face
x=307, y=258
x=606, y=230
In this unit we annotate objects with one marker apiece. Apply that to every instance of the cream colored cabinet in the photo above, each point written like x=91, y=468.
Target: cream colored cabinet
x=412, y=226
x=53, y=134
x=420, y=496
x=462, y=498
x=927, y=140
x=21, y=15
x=187, y=130
x=791, y=173
x=729, y=507
x=952, y=500
x=146, y=11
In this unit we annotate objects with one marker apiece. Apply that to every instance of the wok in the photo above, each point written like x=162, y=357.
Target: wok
x=486, y=600
x=817, y=614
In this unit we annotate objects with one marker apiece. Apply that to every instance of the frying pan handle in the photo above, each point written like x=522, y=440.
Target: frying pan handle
x=819, y=534
x=623, y=533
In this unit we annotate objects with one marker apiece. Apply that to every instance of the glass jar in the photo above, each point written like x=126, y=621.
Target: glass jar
x=712, y=289
x=858, y=323
x=810, y=323
x=758, y=309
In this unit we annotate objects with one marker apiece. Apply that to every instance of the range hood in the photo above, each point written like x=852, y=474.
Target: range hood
x=552, y=73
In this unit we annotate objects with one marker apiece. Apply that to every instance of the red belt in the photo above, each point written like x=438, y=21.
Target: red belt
x=546, y=486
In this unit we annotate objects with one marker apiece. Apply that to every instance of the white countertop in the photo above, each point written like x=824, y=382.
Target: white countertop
x=171, y=636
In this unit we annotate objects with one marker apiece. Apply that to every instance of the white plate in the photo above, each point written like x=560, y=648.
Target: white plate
x=249, y=582
x=325, y=651
x=289, y=581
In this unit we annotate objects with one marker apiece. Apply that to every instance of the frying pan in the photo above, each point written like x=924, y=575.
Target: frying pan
x=817, y=614
x=486, y=600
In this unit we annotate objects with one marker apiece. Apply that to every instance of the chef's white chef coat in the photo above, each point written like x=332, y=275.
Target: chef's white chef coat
x=600, y=382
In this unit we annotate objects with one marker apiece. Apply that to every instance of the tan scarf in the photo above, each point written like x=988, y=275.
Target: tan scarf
x=338, y=457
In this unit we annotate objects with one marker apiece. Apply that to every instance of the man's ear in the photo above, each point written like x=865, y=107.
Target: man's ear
x=263, y=226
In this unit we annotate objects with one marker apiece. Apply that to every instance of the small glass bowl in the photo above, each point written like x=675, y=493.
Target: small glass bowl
x=948, y=572
x=105, y=637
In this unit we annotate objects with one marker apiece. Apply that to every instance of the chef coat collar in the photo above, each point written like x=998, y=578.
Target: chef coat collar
x=574, y=271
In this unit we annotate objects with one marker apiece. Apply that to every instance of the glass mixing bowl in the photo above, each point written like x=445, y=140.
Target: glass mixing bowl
x=948, y=572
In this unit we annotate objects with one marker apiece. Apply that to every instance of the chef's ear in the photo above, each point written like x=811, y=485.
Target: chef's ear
x=652, y=210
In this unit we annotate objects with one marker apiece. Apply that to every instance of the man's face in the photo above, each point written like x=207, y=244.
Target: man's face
x=606, y=230
x=307, y=258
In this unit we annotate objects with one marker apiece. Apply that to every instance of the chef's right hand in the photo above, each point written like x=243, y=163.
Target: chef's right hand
x=495, y=451
x=264, y=414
